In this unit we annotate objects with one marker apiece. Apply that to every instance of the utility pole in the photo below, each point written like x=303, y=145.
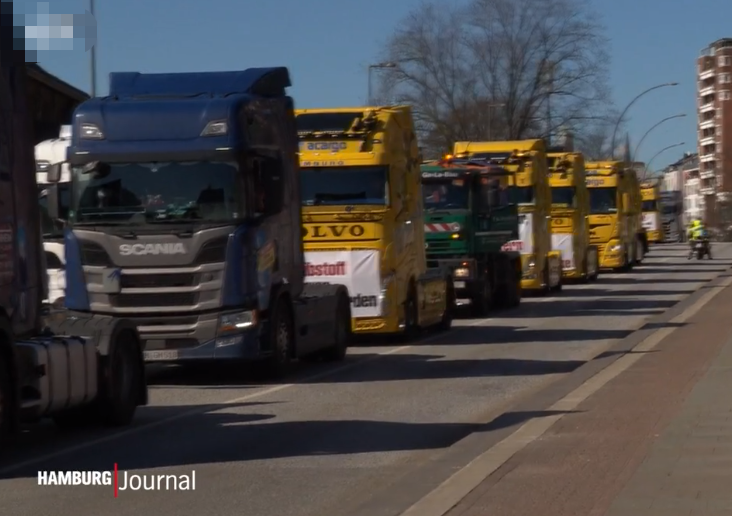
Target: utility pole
x=93, y=55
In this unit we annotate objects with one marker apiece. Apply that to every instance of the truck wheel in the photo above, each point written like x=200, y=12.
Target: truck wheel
x=123, y=375
x=558, y=286
x=411, y=327
x=513, y=290
x=596, y=273
x=482, y=299
x=6, y=396
x=447, y=316
x=282, y=340
x=342, y=332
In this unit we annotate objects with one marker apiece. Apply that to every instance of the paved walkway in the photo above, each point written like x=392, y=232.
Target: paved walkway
x=655, y=440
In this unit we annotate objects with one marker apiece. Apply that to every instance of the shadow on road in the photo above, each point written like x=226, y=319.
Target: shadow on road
x=236, y=437
x=594, y=308
x=655, y=281
x=436, y=367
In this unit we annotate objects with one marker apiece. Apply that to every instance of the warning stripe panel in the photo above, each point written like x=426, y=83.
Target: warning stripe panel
x=439, y=228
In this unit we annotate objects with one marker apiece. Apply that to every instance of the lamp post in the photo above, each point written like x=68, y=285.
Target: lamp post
x=377, y=66
x=635, y=152
x=620, y=118
x=647, y=167
x=93, y=56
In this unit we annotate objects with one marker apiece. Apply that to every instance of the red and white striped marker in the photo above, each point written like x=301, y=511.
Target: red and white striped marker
x=441, y=227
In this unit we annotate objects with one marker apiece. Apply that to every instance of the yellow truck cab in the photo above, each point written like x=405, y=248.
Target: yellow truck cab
x=542, y=266
x=650, y=196
x=362, y=218
x=612, y=213
x=570, y=213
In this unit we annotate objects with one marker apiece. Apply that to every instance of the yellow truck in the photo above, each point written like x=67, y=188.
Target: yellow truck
x=636, y=208
x=614, y=209
x=570, y=214
x=362, y=218
x=650, y=195
x=541, y=265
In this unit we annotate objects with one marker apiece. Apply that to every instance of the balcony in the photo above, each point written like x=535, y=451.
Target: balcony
x=708, y=140
x=707, y=90
x=706, y=74
x=707, y=124
x=707, y=174
x=706, y=189
x=706, y=158
x=705, y=108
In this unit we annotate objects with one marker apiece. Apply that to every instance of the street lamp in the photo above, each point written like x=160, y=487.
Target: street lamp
x=645, y=170
x=377, y=66
x=620, y=118
x=93, y=55
x=635, y=153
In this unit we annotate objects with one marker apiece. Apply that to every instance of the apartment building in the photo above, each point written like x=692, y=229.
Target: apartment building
x=683, y=176
x=714, y=80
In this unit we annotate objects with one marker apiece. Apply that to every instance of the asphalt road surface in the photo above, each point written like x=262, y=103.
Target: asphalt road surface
x=336, y=438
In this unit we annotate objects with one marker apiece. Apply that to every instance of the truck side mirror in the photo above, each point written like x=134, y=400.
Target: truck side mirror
x=54, y=173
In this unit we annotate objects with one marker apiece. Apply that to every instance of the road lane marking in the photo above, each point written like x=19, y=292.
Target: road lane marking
x=265, y=392
x=448, y=494
x=222, y=405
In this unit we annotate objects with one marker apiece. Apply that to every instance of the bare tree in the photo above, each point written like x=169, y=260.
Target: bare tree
x=499, y=69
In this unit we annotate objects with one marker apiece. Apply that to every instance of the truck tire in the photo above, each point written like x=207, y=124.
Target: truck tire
x=411, y=325
x=596, y=274
x=482, y=298
x=447, y=315
x=6, y=396
x=342, y=332
x=280, y=334
x=123, y=374
x=513, y=290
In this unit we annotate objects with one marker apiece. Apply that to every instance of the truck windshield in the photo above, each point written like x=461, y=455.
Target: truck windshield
x=603, y=200
x=650, y=206
x=564, y=196
x=446, y=195
x=668, y=209
x=139, y=193
x=343, y=185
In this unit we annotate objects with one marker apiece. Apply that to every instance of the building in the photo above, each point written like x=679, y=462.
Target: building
x=683, y=176
x=714, y=104
x=52, y=102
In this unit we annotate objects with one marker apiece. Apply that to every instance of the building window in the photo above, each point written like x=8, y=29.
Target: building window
x=724, y=60
x=724, y=78
x=723, y=95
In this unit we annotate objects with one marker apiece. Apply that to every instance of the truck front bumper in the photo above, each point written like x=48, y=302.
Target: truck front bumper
x=612, y=255
x=197, y=338
x=654, y=236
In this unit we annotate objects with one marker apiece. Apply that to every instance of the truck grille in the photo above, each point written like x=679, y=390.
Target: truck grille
x=158, y=280
x=153, y=300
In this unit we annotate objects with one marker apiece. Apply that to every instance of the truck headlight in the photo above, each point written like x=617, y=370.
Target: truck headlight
x=42, y=165
x=236, y=322
x=462, y=272
x=615, y=248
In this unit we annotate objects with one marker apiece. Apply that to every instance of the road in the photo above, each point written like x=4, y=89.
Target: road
x=371, y=436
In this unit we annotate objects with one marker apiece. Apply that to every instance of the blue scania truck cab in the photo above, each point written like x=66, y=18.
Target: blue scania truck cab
x=185, y=218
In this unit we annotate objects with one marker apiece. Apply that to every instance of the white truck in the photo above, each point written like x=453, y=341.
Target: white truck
x=48, y=153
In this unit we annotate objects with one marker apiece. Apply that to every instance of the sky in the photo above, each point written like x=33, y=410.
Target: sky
x=328, y=45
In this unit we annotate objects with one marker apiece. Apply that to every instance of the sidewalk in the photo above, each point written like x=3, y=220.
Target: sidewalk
x=655, y=440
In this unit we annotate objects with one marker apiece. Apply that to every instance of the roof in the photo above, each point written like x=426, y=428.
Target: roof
x=38, y=74
x=499, y=146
